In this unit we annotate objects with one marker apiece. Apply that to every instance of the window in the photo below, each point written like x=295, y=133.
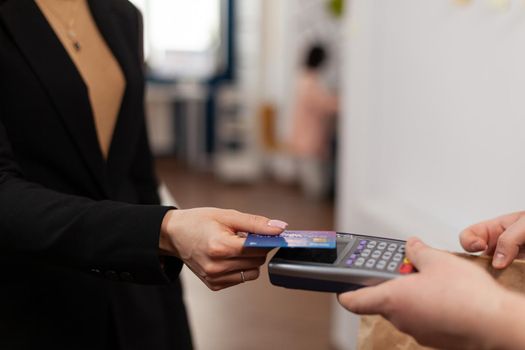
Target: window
x=182, y=38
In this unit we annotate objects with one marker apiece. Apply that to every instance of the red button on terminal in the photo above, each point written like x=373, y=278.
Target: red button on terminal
x=406, y=268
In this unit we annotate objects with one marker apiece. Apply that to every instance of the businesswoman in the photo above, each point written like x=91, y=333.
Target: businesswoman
x=89, y=260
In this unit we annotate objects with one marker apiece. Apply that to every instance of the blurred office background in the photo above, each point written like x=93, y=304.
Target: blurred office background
x=428, y=137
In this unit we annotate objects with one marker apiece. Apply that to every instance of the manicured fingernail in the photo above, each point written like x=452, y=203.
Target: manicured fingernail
x=278, y=223
x=498, y=260
x=477, y=246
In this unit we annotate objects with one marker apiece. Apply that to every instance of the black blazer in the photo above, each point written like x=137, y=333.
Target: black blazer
x=79, y=265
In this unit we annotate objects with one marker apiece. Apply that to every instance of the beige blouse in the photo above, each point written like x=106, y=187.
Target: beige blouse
x=94, y=60
x=314, y=110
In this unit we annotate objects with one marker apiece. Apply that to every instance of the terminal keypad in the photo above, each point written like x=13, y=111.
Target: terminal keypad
x=380, y=255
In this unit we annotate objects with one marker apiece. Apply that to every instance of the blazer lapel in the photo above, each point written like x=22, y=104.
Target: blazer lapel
x=59, y=76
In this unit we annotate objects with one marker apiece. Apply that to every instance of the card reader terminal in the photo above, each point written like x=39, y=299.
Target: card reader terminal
x=356, y=262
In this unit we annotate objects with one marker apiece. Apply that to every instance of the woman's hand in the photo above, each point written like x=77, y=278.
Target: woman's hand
x=450, y=303
x=206, y=240
x=503, y=237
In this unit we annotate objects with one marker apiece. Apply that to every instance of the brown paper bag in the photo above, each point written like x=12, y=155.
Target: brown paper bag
x=376, y=333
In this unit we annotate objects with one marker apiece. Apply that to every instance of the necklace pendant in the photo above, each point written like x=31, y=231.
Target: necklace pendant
x=73, y=37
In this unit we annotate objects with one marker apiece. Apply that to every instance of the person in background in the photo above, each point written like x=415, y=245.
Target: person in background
x=451, y=303
x=90, y=260
x=314, y=109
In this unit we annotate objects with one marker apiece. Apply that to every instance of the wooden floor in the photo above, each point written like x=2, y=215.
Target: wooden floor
x=254, y=315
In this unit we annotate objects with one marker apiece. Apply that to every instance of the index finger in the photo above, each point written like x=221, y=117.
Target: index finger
x=238, y=221
x=476, y=238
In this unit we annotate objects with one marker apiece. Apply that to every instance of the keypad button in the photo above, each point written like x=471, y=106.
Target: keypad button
x=370, y=263
x=359, y=262
x=401, y=249
x=363, y=242
x=381, y=265
x=349, y=262
x=126, y=277
x=366, y=253
x=397, y=257
x=353, y=256
x=392, y=247
x=381, y=246
x=111, y=275
x=392, y=266
x=376, y=254
x=386, y=256
x=371, y=244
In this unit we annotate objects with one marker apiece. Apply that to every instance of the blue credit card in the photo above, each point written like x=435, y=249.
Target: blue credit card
x=293, y=239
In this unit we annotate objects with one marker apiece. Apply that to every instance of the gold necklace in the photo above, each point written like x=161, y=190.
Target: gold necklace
x=68, y=25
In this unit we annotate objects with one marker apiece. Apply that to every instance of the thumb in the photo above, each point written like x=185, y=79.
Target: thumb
x=238, y=221
x=509, y=243
x=421, y=255
x=367, y=301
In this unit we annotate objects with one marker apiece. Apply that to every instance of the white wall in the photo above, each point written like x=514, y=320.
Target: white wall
x=433, y=131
